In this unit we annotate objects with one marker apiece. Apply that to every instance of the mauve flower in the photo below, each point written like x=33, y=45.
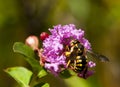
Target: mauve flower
x=91, y=64
x=53, y=45
x=88, y=73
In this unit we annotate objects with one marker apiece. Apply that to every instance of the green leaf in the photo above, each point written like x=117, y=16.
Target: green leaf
x=46, y=85
x=29, y=54
x=42, y=85
x=20, y=74
x=65, y=74
x=42, y=73
x=23, y=49
x=75, y=81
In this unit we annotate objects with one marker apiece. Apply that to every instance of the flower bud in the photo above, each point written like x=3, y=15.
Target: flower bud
x=33, y=42
x=43, y=35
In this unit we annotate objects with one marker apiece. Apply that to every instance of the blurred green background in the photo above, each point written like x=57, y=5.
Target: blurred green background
x=99, y=18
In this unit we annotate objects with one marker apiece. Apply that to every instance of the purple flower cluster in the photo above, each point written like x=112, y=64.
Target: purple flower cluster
x=53, y=46
x=65, y=33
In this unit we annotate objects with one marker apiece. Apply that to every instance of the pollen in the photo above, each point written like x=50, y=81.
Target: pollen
x=76, y=45
x=67, y=54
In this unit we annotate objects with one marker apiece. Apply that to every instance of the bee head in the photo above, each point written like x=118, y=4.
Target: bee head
x=77, y=46
x=80, y=49
x=74, y=42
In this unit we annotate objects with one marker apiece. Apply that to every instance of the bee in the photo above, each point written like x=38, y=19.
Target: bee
x=77, y=57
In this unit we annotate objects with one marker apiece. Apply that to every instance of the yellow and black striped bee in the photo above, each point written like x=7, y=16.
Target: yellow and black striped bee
x=77, y=57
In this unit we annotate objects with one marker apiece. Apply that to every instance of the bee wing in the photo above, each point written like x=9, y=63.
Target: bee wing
x=102, y=58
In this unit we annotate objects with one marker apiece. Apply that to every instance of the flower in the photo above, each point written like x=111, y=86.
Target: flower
x=43, y=35
x=67, y=32
x=32, y=41
x=91, y=64
x=53, y=46
x=88, y=73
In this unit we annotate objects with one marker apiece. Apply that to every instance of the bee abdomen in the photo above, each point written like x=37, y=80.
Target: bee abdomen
x=81, y=62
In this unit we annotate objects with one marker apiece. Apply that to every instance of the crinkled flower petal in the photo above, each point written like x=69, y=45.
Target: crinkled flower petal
x=52, y=66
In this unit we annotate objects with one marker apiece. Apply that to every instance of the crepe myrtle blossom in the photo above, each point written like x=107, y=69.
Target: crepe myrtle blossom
x=54, y=45
x=91, y=64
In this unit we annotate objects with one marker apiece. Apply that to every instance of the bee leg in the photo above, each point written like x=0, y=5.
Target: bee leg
x=67, y=54
x=68, y=63
x=84, y=73
x=74, y=64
